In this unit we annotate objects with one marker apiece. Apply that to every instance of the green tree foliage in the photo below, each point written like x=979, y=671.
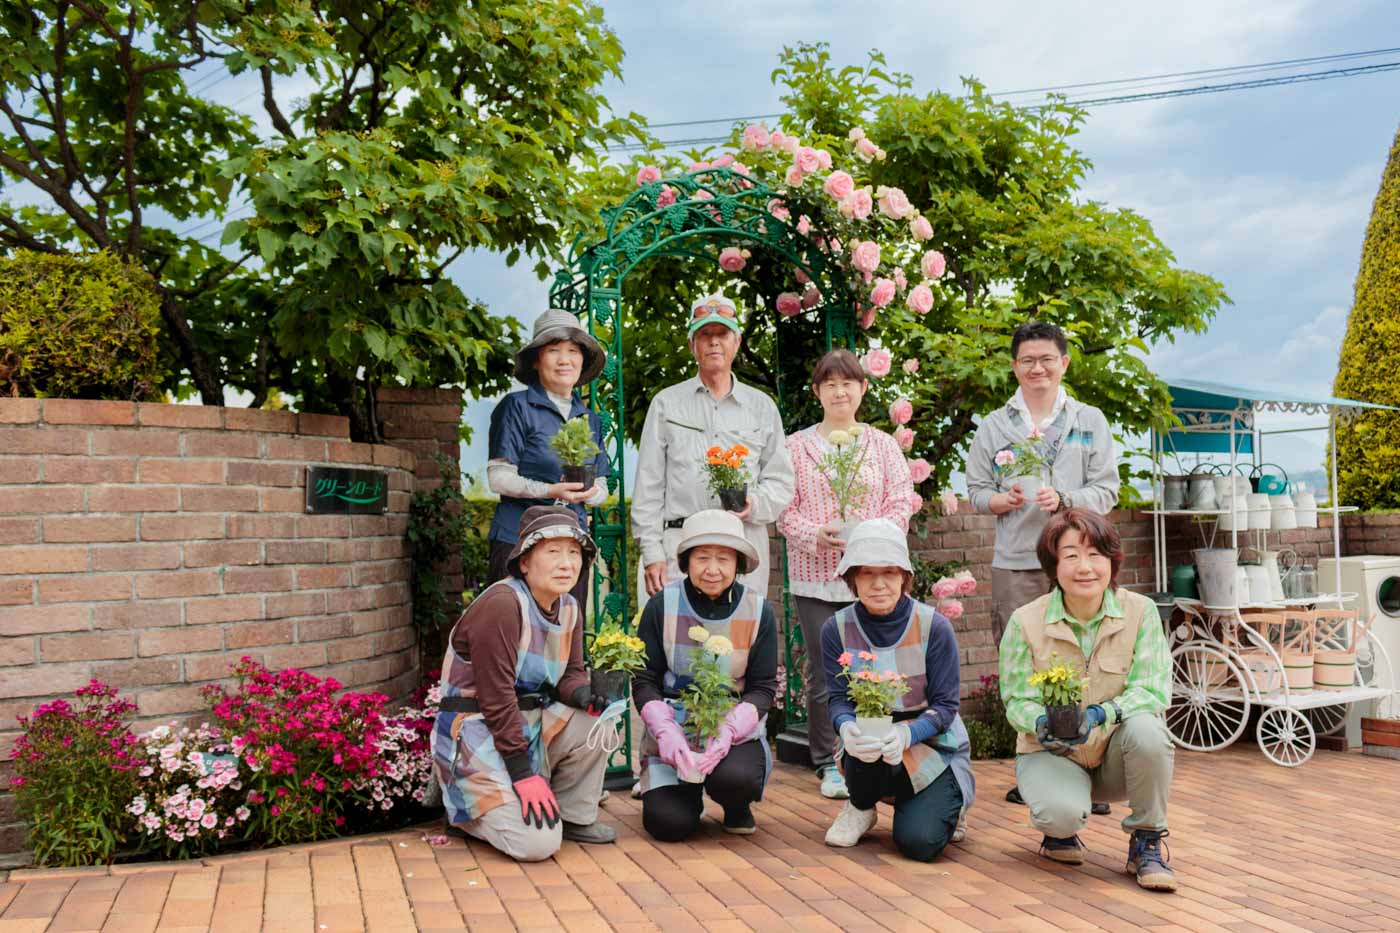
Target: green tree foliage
x=78, y=327
x=1000, y=186
x=430, y=128
x=1368, y=446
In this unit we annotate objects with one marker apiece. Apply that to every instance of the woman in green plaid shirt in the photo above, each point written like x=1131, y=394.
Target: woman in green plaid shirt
x=1123, y=749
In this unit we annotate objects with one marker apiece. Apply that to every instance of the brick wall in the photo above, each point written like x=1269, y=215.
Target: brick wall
x=152, y=545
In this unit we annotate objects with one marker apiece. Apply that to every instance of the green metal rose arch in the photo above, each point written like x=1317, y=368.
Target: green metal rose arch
x=694, y=215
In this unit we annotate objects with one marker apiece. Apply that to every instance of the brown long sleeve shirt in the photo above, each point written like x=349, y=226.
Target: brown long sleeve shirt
x=488, y=636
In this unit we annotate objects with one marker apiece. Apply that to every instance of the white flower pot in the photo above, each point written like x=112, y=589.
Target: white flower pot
x=877, y=727
x=1030, y=485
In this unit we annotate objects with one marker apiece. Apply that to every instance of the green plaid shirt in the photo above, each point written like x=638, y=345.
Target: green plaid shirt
x=1146, y=691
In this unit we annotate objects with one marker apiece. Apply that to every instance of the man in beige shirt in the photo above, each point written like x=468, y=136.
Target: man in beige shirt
x=685, y=420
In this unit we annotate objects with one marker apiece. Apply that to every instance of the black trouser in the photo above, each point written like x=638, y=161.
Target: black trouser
x=923, y=822
x=670, y=814
x=497, y=570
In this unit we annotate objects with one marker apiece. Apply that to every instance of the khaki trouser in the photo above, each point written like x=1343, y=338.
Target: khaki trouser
x=575, y=774
x=1137, y=767
x=1012, y=589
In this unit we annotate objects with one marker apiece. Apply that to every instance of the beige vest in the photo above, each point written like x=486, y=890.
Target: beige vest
x=1107, y=667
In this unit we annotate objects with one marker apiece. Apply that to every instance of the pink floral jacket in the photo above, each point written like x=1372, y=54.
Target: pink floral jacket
x=889, y=494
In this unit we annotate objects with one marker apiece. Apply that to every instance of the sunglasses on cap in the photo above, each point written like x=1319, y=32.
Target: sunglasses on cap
x=712, y=309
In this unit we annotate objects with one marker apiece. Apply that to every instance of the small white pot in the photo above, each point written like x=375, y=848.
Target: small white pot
x=1030, y=485
x=877, y=727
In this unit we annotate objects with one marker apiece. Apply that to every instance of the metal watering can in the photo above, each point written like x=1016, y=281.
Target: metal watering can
x=1270, y=484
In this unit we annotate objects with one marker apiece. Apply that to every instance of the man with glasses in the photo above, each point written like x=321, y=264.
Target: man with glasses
x=1076, y=443
x=683, y=421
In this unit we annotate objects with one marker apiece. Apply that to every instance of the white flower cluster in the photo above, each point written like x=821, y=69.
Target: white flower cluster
x=192, y=780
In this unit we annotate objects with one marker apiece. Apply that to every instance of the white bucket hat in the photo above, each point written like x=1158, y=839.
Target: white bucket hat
x=716, y=526
x=876, y=542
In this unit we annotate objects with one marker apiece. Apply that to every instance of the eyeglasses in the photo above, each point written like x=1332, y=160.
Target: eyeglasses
x=1031, y=362
x=711, y=309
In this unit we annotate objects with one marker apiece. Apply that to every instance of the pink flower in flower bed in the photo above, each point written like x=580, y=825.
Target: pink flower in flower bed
x=877, y=362
x=919, y=470
x=901, y=411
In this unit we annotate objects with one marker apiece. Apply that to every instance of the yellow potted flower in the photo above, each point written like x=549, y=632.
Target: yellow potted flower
x=709, y=696
x=614, y=655
x=1061, y=689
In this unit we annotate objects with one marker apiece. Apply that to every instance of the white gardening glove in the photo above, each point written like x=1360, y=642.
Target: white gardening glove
x=894, y=743
x=861, y=747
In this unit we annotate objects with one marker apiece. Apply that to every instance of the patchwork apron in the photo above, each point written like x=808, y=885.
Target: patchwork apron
x=741, y=628
x=466, y=764
x=924, y=761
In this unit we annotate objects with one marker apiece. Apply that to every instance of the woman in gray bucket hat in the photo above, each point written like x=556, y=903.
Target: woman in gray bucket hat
x=523, y=468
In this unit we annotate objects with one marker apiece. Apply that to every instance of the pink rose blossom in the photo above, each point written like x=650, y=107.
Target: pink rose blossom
x=855, y=134
x=824, y=159
x=731, y=259
x=861, y=203
x=777, y=138
x=948, y=502
x=793, y=177
x=919, y=470
x=725, y=160
x=867, y=319
x=811, y=297
x=1004, y=458
x=865, y=256
x=802, y=277
x=866, y=149
x=739, y=168
x=951, y=609
x=920, y=299
x=789, y=304
x=778, y=209
x=933, y=264
x=883, y=293
x=894, y=203
x=698, y=166
x=900, y=280
x=667, y=197
x=917, y=502
x=839, y=185
x=904, y=437
x=807, y=160
x=920, y=229
x=944, y=588
x=967, y=583
x=877, y=362
x=702, y=194
x=647, y=174
x=804, y=224
x=835, y=245
x=755, y=137
x=911, y=366
x=790, y=145
x=901, y=410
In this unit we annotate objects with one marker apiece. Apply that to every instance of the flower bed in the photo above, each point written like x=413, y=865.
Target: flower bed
x=283, y=759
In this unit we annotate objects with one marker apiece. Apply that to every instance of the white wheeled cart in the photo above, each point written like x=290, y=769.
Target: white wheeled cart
x=1224, y=665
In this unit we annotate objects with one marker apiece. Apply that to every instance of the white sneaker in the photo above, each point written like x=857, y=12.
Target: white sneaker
x=637, y=790
x=850, y=825
x=960, y=833
x=833, y=784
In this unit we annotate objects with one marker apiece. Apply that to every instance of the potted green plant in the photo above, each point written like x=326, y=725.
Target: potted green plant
x=841, y=467
x=727, y=476
x=576, y=449
x=614, y=655
x=874, y=693
x=710, y=694
x=1061, y=689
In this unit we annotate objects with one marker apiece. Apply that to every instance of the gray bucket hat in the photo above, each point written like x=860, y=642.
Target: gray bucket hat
x=716, y=526
x=876, y=542
x=542, y=522
x=551, y=327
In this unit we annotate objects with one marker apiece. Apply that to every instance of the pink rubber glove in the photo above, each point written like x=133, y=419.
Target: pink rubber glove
x=671, y=743
x=537, y=804
x=738, y=723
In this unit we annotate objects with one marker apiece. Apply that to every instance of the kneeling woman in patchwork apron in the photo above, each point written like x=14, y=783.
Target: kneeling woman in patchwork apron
x=923, y=764
x=734, y=766
x=510, y=746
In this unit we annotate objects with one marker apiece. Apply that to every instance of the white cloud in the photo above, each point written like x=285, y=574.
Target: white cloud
x=1317, y=342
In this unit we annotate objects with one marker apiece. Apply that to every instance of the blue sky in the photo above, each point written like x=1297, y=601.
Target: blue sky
x=1268, y=190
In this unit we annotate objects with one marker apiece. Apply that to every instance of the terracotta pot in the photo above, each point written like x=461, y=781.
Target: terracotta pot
x=1064, y=721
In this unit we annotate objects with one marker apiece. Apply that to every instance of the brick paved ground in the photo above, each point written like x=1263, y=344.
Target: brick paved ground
x=1257, y=847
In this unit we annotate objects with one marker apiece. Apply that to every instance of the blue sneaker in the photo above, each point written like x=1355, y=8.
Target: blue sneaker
x=1145, y=859
x=833, y=783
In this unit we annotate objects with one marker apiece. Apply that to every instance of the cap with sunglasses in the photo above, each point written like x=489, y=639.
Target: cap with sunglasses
x=713, y=309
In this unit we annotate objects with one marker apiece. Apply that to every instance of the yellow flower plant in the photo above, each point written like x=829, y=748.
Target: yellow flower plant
x=612, y=649
x=710, y=694
x=1060, y=684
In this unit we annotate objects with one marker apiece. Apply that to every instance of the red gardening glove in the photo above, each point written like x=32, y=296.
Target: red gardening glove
x=537, y=803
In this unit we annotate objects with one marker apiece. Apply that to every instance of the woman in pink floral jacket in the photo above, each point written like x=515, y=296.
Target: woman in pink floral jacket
x=813, y=524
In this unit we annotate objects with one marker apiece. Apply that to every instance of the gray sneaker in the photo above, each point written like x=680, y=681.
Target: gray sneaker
x=1145, y=859
x=1069, y=850
x=594, y=833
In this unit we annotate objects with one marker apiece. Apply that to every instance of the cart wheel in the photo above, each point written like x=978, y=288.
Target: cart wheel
x=1210, y=705
x=1327, y=720
x=1286, y=736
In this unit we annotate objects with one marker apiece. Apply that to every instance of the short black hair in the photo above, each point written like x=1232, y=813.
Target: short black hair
x=835, y=364
x=1039, y=330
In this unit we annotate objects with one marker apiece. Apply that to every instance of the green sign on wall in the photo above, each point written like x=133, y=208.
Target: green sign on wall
x=342, y=491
